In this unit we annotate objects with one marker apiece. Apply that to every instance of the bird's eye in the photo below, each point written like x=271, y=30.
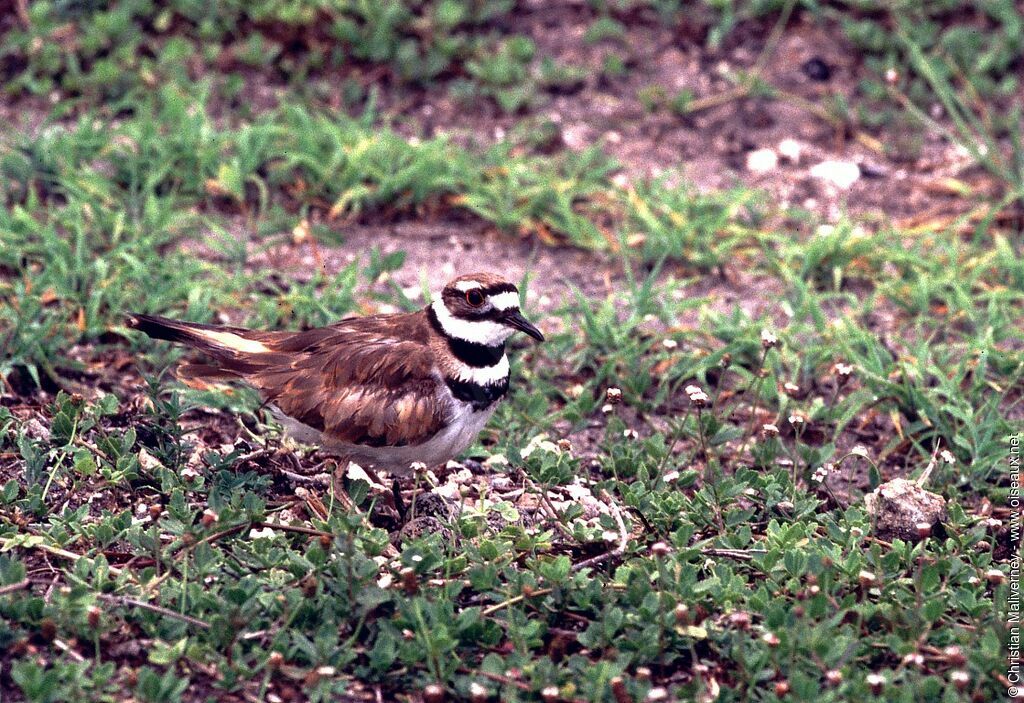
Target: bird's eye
x=474, y=297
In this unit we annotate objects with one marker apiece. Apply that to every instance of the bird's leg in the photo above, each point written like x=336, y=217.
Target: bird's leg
x=396, y=493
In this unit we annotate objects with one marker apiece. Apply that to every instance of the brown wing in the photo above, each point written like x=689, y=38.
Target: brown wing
x=366, y=381
x=369, y=383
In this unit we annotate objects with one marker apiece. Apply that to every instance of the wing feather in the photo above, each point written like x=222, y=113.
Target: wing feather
x=358, y=384
x=364, y=381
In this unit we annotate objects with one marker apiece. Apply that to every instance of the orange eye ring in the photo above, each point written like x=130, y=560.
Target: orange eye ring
x=474, y=297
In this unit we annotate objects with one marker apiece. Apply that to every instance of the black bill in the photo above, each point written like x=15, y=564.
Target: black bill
x=515, y=319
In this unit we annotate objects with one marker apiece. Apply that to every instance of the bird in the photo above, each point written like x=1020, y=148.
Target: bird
x=384, y=391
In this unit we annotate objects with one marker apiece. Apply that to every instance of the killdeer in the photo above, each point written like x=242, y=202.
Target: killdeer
x=383, y=391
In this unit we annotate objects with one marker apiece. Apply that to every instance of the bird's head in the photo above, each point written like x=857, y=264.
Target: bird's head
x=482, y=308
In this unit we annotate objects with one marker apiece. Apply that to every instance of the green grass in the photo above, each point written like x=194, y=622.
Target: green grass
x=152, y=543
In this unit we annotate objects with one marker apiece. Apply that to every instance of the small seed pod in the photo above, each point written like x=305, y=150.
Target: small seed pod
x=866, y=579
x=682, y=613
x=660, y=549
x=325, y=542
x=954, y=655
x=549, y=694
x=275, y=660
x=410, y=582
x=309, y=586
x=92, y=615
x=914, y=659
x=619, y=692
x=740, y=620
x=960, y=679
x=209, y=518
x=876, y=682
x=726, y=360
x=995, y=576
x=478, y=693
x=613, y=395
x=833, y=677
x=842, y=372
x=782, y=688
x=771, y=639
x=768, y=340
x=155, y=510
x=434, y=693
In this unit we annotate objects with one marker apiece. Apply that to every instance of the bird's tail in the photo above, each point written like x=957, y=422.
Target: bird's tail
x=236, y=352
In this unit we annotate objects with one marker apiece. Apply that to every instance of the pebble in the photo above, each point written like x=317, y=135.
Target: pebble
x=842, y=174
x=790, y=150
x=762, y=160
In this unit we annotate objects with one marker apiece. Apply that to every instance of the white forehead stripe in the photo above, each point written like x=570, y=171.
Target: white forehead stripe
x=483, y=332
x=505, y=301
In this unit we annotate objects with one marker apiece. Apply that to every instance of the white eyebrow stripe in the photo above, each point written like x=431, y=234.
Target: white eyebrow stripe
x=505, y=301
x=483, y=332
x=466, y=285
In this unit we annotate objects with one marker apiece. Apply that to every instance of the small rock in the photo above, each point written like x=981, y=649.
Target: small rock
x=37, y=430
x=900, y=507
x=790, y=150
x=816, y=69
x=422, y=527
x=762, y=160
x=842, y=174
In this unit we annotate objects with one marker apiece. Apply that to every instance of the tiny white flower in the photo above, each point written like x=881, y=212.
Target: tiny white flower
x=768, y=339
x=947, y=456
x=860, y=450
x=842, y=369
x=875, y=680
x=669, y=343
x=790, y=149
x=700, y=399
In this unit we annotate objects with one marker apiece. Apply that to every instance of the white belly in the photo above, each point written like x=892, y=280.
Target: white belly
x=451, y=441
